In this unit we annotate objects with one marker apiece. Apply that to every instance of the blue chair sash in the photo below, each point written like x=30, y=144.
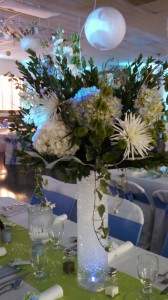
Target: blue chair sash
x=160, y=204
x=141, y=197
x=124, y=229
x=63, y=204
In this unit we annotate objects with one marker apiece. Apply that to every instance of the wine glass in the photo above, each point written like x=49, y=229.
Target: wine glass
x=38, y=259
x=56, y=234
x=147, y=269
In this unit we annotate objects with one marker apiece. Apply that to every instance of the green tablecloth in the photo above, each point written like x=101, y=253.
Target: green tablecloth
x=20, y=247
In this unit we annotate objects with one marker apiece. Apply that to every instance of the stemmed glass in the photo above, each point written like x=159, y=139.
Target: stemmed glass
x=56, y=234
x=38, y=259
x=147, y=269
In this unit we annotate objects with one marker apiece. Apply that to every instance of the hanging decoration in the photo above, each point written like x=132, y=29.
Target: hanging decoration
x=105, y=28
x=30, y=42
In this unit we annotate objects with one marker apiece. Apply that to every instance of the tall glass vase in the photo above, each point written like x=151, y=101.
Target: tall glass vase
x=92, y=257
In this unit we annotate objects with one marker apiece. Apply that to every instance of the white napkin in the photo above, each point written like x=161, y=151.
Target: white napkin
x=60, y=218
x=52, y=293
x=120, y=250
x=13, y=210
x=2, y=251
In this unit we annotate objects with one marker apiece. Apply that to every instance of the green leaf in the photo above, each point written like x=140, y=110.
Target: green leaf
x=103, y=186
x=80, y=131
x=122, y=144
x=106, y=232
x=101, y=210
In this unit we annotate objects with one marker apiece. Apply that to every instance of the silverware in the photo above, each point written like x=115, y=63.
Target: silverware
x=18, y=262
x=164, y=281
x=165, y=291
x=163, y=274
x=14, y=284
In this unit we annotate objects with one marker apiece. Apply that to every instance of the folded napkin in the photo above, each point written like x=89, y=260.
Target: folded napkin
x=60, y=218
x=52, y=293
x=13, y=210
x=120, y=250
x=2, y=251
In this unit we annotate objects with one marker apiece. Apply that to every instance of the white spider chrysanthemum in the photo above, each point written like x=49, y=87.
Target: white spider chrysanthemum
x=46, y=110
x=134, y=132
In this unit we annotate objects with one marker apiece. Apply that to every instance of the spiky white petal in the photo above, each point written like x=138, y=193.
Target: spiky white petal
x=134, y=132
x=46, y=110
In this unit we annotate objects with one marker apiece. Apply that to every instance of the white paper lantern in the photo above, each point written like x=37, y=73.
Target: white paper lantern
x=30, y=42
x=105, y=28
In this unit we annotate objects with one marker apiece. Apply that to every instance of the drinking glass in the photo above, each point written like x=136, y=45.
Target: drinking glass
x=57, y=232
x=147, y=269
x=38, y=259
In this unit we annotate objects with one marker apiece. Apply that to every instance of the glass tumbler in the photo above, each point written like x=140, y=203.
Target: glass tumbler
x=38, y=259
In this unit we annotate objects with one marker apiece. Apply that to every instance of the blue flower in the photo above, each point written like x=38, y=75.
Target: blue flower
x=86, y=93
x=39, y=71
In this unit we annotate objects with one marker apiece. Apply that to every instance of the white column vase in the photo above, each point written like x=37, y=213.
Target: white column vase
x=92, y=257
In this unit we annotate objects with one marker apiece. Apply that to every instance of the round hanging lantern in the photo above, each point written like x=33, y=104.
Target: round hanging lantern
x=30, y=42
x=105, y=28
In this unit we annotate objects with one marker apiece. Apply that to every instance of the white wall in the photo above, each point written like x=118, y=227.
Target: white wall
x=7, y=65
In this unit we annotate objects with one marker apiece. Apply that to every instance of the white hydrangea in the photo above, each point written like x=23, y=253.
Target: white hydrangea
x=54, y=139
x=149, y=105
x=85, y=110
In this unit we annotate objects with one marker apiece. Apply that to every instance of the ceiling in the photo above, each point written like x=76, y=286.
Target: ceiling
x=145, y=25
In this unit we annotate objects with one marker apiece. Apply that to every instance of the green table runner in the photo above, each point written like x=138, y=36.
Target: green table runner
x=20, y=247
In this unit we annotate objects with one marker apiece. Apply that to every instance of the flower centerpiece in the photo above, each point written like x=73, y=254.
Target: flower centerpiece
x=85, y=122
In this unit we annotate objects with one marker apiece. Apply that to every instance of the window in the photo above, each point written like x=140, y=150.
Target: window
x=9, y=98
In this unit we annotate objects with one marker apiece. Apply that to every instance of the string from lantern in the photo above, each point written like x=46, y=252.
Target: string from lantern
x=80, y=33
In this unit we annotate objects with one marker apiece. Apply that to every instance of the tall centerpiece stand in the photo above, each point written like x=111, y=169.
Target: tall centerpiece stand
x=92, y=257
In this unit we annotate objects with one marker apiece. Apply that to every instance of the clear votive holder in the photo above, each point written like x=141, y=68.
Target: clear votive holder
x=6, y=235
x=39, y=222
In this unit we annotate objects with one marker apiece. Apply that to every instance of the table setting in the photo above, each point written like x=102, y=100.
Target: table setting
x=18, y=256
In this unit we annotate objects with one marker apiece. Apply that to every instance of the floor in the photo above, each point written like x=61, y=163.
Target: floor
x=13, y=183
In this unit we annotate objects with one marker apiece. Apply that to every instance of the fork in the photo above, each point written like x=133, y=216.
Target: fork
x=163, y=274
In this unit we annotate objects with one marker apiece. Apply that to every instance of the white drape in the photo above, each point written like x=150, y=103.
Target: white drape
x=9, y=98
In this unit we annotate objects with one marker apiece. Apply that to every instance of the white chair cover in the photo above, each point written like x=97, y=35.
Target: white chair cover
x=127, y=210
x=160, y=228
x=12, y=143
x=67, y=189
x=136, y=194
x=127, y=224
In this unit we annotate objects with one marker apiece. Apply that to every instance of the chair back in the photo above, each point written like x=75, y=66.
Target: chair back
x=63, y=203
x=160, y=228
x=136, y=194
x=67, y=189
x=127, y=224
x=164, y=251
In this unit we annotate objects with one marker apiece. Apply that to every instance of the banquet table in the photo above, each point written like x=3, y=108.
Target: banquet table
x=126, y=264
